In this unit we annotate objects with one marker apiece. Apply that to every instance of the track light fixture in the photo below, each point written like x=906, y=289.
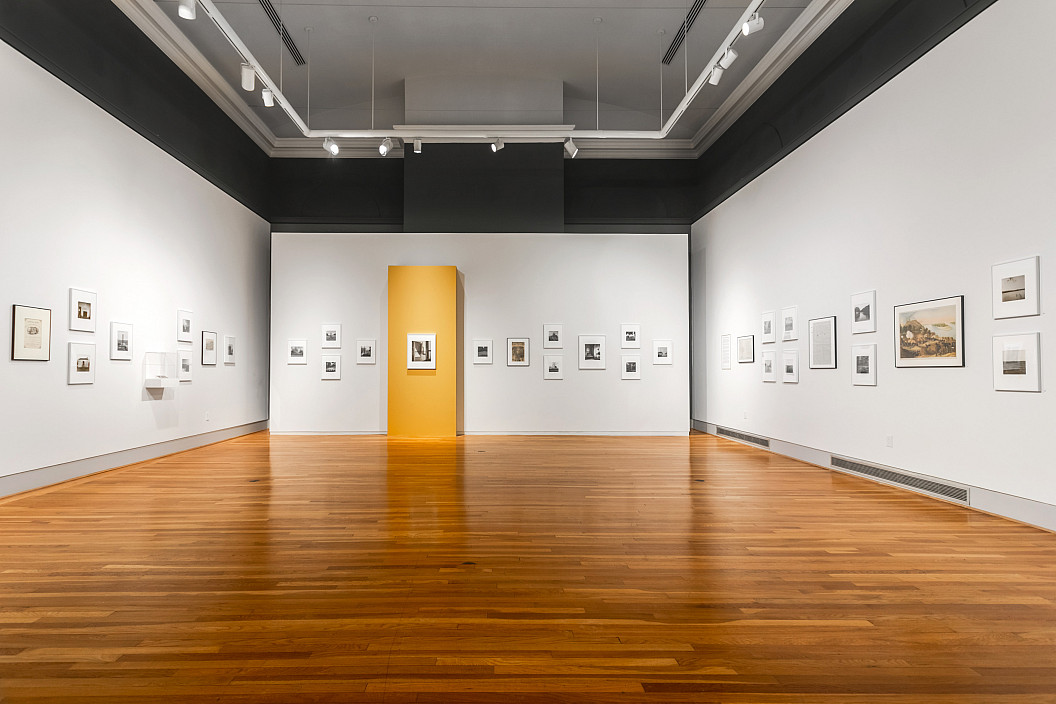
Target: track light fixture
x=716, y=74
x=331, y=146
x=385, y=147
x=753, y=25
x=249, y=77
x=188, y=9
x=268, y=98
x=417, y=145
x=571, y=148
x=497, y=145
x=728, y=58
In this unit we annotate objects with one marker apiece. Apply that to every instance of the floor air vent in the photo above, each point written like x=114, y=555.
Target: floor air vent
x=910, y=481
x=744, y=437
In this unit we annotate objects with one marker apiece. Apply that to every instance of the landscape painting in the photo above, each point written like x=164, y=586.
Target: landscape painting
x=930, y=333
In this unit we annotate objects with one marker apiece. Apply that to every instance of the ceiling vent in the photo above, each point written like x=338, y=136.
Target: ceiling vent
x=680, y=35
x=287, y=40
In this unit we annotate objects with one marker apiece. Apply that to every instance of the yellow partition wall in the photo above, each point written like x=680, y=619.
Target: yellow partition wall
x=423, y=402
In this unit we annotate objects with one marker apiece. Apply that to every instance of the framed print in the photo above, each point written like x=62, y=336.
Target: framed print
x=553, y=337
x=229, y=349
x=726, y=351
x=30, y=334
x=331, y=366
x=591, y=352
x=296, y=351
x=930, y=333
x=517, y=352
x=863, y=365
x=82, y=363
x=1016, y=360
x=183, y=364
x=746, y=349
x=630, y=336
x=790, y=366
x=82, y=311
x=863, y=312
x=121, y=341
x=330, y=336
x=208, y=349
x=553, y=366
x=769, y=359
x=184, y=326
x=790, y=323
x=421, y=350
x=366, y=351
x=1015, y=288
x=481, y=351
x=662, y=352
x=631, y=366
x=821, y=343
x=769, y=324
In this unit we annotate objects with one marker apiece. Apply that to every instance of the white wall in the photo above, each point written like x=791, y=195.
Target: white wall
x=513, y=284
x=87, y=203
x=916, y=192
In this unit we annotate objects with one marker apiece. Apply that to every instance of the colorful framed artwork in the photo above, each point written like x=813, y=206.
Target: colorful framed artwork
x=930, y=333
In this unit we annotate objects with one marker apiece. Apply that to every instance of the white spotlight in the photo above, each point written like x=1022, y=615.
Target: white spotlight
x=497, y=145
x=188, y=9
x=716, y=75
x=753, y=25
x=385, y=147
x=728, y=58
x=249, y=77
x=331, y=146
x=571, y=148
x=268, y=97
x=417, y=145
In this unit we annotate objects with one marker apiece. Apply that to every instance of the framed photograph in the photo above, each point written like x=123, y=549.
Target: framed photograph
x=517, y=352
x=769, y=359
x=930, y=333
x=82, y=363
x=1016, y=360
x=366, y=351
x=769, y=327
x=1015, y=288
x=863, y=365
x=790, y=323
x=726, y=351
x=208, y=349
x=662, y=350
x=553, y=337
x=553, y=366
x=863, y=312
x=631, y=366
x=790, y=366
x=184, y=326
x=121, y=341
x=296, y=351
x=746, y=349
x=481, y=351
x=330, y=336
x=630, y=336
x=591, y=352
x=331, y=366
x=421, y=350
x=30, y=334
x=229, y=349
x=82, y=311
x=821, y=352
x=183, y=364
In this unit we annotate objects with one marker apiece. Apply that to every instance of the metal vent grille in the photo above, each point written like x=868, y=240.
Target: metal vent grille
x=930, y=486
x=754, y=439
x=680, y=35
x=287, y=40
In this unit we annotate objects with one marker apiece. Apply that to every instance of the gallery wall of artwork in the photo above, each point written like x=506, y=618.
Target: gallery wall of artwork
x=931, y=210
x=530, y=304
x=105, y=237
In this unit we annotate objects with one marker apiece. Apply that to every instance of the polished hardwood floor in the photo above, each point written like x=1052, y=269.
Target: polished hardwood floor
x=514, y=569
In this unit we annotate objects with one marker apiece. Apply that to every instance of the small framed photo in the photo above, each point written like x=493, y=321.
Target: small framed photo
x=331, y=366
x=1016, y=360
x=769, y=327
x=790, y=366
x=863, y=312
x=930, y=333
x=746, y=349
x=662, y=351
x=366, y=351
x=482, y=352
x=82, y=363
x=421, y=350
x=208, y=348
x=726, y=351
x=184, y=326
x=296, y=351
x=517, y=352
x=330, y=336
x=1015, y=288
x=183, y=364
x=631, y=366
x=553, y=337
x=790, y=323
x=121, y=341
x=229, y=349
x=863, y=365
x=553, y=366
x=821, y=352
x=82, y=311
x=591, y=352
x=630, y=336
x=769, y=359
x=30, y=334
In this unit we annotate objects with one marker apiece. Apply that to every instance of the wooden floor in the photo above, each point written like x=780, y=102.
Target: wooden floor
x=483, y=569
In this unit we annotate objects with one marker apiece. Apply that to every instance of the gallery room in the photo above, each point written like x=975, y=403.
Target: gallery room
x=532, y=352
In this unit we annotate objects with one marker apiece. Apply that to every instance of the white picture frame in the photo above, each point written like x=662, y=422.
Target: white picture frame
x=790, y=366
x=821, y=343
x=184, y=363
x=553, y=367
x=517, y=352
x=121, y=341
x=930, y=333
x=184, y=326
x=1015, y=288
x=631, y=366
x=330, y=336
x=726, y=351
x=768, y=325
x=209, y=351
x=30, y=334
x=421, y=350
x=863, y=365
x=230, y=345
x=591, y=352
x=83, y=310
x=1017, y=362
x=790, y=323
x=367, y=351
x=663, y=352
x=863, y=312
x=746, y=349
x=482, y=351
x=769, y=362
x=630, y=336
x=81, y=368
x=330, y=367
x=553, y=336
x=297, y=351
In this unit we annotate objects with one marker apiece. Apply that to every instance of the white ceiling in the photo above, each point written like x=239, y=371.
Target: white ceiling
x=497, y=39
